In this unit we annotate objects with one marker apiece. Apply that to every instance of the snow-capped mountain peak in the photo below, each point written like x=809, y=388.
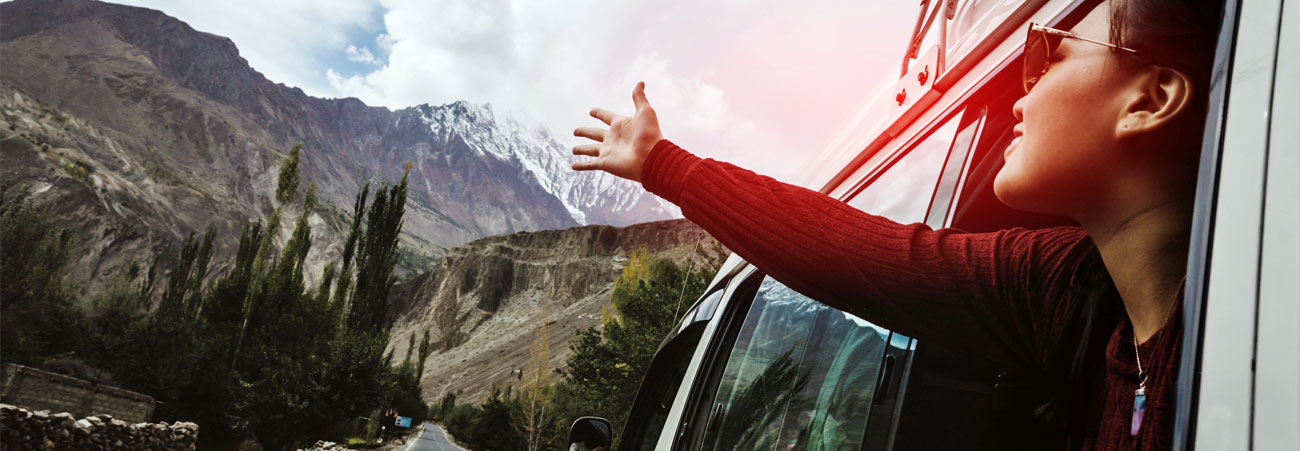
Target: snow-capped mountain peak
x=590, y=197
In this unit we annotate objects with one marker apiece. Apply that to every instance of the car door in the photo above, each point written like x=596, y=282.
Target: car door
x=1239, y=381
x=793, y=373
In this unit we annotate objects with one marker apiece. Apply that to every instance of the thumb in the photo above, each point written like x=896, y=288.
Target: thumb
x=638, y=96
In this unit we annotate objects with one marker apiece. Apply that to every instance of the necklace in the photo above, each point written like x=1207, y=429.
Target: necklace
x=1140, y=395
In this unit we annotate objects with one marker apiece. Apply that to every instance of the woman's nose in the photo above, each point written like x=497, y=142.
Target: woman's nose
x=1018, y=110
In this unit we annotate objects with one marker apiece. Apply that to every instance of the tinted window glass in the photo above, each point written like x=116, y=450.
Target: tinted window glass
x=658, y=389
x=799, y=376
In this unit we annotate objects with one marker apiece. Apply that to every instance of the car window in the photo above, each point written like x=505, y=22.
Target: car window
x=658, y=389
x=800, y=375
x=903, y=192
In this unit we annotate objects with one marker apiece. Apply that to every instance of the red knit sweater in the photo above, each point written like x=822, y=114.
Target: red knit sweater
x=999, y=294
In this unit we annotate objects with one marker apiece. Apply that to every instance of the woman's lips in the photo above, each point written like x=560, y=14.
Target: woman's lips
x=1011, y=146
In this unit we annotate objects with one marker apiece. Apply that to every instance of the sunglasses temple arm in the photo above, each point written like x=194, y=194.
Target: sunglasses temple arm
x=1066, y=34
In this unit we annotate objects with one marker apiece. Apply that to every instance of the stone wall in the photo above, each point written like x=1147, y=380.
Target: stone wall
x=43, y=390
x=39, y=430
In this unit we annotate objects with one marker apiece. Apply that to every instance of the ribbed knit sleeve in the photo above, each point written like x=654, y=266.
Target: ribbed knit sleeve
x=993, y=293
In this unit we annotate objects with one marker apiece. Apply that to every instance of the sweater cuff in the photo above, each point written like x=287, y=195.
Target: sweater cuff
x=666, y=168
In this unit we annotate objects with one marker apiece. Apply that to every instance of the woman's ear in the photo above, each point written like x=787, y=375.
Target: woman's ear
x=1160, y=94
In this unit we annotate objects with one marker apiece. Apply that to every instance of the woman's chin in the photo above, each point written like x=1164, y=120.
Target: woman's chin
x=1014, y=192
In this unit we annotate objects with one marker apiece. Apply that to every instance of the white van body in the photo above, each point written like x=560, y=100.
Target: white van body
x=1239, y=385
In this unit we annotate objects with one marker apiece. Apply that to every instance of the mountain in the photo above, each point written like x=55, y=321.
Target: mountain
x=484, y=302
x=141, y=130
x=591, y=197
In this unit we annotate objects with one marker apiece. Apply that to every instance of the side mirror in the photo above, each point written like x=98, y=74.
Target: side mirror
x=590, y=434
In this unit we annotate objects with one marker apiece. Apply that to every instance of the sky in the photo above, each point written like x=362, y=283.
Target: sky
x=764, y=84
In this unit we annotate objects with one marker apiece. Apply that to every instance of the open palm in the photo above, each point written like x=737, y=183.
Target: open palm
x=622, y=149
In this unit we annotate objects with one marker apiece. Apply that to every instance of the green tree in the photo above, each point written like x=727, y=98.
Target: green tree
x=304, y=364
x=426, y=347
x=607, y=364
x=37, y=315
x=376, y=256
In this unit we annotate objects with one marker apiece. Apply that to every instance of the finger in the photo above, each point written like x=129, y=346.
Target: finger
x=597, y=134
x=590, y=150
x=638, y=96
x=606, y=116
x=587, y=165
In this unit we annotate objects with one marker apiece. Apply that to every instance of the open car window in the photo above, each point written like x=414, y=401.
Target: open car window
x=800, y=375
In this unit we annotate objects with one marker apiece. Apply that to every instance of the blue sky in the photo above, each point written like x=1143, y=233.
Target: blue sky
x=765, y=84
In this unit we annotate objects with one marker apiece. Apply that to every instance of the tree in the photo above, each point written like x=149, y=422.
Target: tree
x=425, y=349
x=605, y=368
x=183, y=293
x=368, y=308
x=37, y=315
x=294, y=372
x=534, y=414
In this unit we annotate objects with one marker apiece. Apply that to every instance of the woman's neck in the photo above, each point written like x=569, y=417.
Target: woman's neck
x=1145, y=252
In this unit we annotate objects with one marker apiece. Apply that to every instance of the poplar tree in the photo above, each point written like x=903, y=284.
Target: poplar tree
x=375, y=257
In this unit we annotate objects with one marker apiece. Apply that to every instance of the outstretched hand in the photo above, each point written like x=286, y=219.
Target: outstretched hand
x=621, y=150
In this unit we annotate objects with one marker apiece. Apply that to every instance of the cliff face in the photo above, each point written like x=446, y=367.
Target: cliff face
x=177, y=133
x=484, y=302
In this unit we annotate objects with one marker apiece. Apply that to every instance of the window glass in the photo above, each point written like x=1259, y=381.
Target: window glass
x=800, y=375
x=658, y=389
x=952, y=172
x=902, y=193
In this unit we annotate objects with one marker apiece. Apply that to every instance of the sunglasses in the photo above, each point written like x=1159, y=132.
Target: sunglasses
x=1041, y=44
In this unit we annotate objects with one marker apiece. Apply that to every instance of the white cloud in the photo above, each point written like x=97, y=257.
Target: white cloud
x=761, y=83
x=385, y=43
x=360, y=55
x=286, y=40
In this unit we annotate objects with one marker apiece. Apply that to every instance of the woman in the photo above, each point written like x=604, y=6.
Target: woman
x=1109, y=135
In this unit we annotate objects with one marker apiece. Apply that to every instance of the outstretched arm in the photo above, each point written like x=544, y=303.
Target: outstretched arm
x=993, y=293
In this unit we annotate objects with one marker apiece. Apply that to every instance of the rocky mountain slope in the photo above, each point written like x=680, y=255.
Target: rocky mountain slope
x=484, y=302
x=143, y=130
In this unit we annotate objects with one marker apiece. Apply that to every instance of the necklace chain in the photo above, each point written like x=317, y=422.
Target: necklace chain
x=1142, y=381
x=1137, y=355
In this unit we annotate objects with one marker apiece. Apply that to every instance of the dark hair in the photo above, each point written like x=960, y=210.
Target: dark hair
x=1079, y=348
x=1178, y=34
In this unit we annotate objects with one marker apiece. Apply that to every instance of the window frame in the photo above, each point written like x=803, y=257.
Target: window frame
x=685, y=337
x=703, y=385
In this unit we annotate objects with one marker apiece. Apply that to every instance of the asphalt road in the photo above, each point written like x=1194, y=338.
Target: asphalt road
x=432, y=439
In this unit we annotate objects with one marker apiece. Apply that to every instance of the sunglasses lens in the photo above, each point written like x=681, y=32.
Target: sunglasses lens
x=1037, y=50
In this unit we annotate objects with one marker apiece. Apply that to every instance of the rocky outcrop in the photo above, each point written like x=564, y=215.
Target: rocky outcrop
x=484, y=302
x=40, y=430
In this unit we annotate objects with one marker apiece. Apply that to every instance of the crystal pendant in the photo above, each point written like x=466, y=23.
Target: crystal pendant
x=1139, y=406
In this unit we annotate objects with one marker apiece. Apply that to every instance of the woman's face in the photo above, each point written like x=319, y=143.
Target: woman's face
x=1067, y=132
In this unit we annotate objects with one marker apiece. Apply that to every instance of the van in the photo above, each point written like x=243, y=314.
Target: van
x=756, y=365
